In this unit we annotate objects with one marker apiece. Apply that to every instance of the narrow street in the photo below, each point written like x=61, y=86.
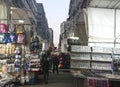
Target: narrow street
x=64, y=79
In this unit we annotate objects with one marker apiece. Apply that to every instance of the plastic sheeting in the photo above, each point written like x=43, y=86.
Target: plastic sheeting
x=103, y=26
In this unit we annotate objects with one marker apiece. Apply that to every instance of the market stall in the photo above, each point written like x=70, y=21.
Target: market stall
x=15, y=35
x=93, y=66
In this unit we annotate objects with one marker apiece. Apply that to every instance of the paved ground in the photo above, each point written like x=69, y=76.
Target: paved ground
x=64, y=79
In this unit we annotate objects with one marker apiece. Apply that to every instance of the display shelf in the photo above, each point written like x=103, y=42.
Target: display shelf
x=102, y=53
x=91, y=58
x=104, y=61
x=105, y=57
x=85, y=56
x=116, y=56
x=102, y=69
x=80, y=68
x=102, y=50
x=82, y=49
x=81, y=59
x=82, y=52
x=116, y=51
x=101, y=65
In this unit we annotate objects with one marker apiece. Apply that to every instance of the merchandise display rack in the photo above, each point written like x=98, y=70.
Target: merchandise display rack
x=12, y=53
x=91, y=58
x=80, y=57
x=18, y=64
x=91, y=64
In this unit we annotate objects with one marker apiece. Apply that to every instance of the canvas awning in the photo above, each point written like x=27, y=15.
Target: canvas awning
x=112, y=4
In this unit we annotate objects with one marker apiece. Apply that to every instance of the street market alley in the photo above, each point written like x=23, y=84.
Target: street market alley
x=64, y=79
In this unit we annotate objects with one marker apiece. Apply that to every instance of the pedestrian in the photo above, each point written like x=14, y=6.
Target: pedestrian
x=45, y=67
x=55, y=62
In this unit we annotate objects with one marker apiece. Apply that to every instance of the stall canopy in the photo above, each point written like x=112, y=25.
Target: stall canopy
x=105, y=3
x=103, y=22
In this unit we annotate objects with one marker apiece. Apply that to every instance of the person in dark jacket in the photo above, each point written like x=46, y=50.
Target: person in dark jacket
x=45, y=67
x=55, y=62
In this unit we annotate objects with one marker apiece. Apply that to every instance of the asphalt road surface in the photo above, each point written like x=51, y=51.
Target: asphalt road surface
x=64, y=79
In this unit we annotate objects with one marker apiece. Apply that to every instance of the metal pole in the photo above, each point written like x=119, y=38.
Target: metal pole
x=115, y=29
x=8, y=11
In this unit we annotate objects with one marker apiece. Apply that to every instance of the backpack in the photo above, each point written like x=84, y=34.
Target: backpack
x=20, y=29
x=3, y=28
x=11, y=28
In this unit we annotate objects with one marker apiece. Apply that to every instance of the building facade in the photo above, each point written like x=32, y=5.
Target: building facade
x=42, y=24
x=51, y=36
x=65, y=33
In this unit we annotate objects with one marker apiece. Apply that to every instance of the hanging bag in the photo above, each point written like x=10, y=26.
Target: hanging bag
x=20, y=29
x=35, y=39
x=3, y=38
x=11, y=28
x=21, y=38
x=3, y=28
x=32, y=46
x=12, y=38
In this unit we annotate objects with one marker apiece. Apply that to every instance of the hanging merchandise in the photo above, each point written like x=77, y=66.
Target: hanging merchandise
x=11, y=28
x=3, y=38
x=21, y=38
x=12, y=38
x=36, y=44
x=26, y=66
x=2, y=49
x=18, y=56
x=17, y=62
x=10, y=67
x=97, y=82
x=31, y=46
x=31, y=33
x=3, y=28
x=17, y=51
x=35, y=39
x=20, y=29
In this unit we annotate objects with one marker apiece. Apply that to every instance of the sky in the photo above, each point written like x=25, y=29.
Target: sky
x=56, y=12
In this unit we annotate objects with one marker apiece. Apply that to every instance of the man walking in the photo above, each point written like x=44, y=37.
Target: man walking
x=55, y=62
x=45, y=67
